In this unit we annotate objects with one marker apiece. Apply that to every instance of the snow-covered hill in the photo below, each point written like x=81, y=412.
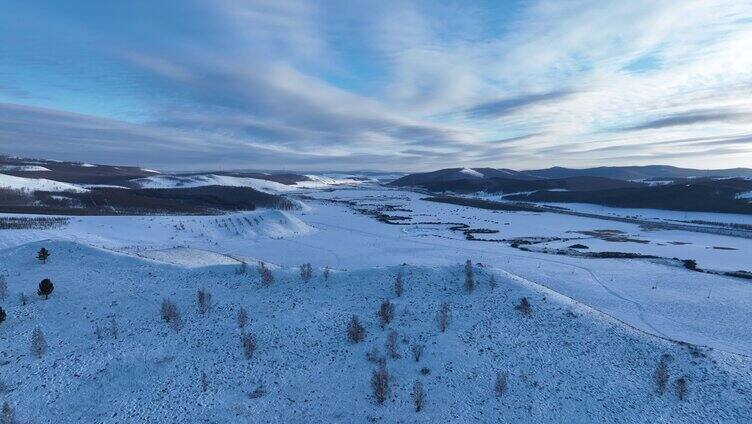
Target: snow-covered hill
x=37, y=184
x=174, y=181
x=180, y=181
x=563, y=363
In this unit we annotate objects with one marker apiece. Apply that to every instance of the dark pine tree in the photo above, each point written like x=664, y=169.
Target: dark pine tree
x=2, y=315
x=45, y=288
x=43, y=254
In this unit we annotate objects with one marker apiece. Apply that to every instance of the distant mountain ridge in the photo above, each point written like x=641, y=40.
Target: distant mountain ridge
x=625, y=173
x=639, y=172
x=656, y=186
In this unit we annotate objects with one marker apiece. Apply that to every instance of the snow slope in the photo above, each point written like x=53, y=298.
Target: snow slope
x=471, y=172
x=172, y=181
x=23, y=168
x=563, y=363
x=37, y=184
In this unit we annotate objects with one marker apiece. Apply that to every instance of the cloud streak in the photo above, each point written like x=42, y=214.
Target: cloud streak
x=391, y=85
x=506, y=106
x=691, y=118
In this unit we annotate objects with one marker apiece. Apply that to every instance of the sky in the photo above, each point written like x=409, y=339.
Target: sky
x=377, y=85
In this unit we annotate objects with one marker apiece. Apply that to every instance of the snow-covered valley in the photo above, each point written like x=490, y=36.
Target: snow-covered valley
x=588, y=352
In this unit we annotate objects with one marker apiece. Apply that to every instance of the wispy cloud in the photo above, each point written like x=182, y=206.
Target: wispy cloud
x=276, y=84
x=693, y=117
x=506, y=106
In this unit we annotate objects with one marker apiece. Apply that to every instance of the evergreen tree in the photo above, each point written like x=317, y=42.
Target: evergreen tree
x=43, y=254
x=2, y=315
x=45, y=288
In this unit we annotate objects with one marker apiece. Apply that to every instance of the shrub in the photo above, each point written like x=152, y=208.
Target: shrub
x=204, y=301
x=249, y=345
x=43, y=255
x=9, y=416
x=355, y=331
x=257, y=392
x=681, y=388
x=386, y=312
x=501, y=384
x=38, y=344
x=380, y=384
x=398, y=286
x=374, y=356
x=45, y=288
x=391, y=345
x=419, y=396
x=266, y=274
x=469, y=279
x=660, y=375
x=492, y=282
x=204, y=382
x=242, y=269
x=242, y=318
x=327, y=273
x=524, y=307
x=113, y=329
x=306, y=272
x=690, y=264
x=2, y=315
x=23, y=299
x=3, y=288
x=442, y=317
x=171, y=314
x=417, y=350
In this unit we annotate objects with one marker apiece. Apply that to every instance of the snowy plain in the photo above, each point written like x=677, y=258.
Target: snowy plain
x=587, y=353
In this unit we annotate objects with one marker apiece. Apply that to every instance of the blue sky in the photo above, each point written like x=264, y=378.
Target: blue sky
x=391, y=85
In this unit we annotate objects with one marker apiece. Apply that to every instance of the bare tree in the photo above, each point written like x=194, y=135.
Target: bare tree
x=660, y=375
x=417, y=350
x=3, y=288
x=327, y=272
x=249, y=345
x=501, y=384
x=113, y=328
x=204, y=382
x=242, y=318
x=171, y=314
x=681, y=388
x=9, y=416
x=524, y=307
x=306, y=272
x=442, y=318
x=380, y=384
x=98, y=331
x=492, y=282
x=204, y=301
x=419, y=396
x=23, y=299
x=391, y=345
x=398, y=285
x=469, y=279
x=355, y=331
x=267, y=278
x=38, y=344
x=386, y=312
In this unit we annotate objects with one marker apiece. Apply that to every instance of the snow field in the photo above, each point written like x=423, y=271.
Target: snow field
x=564, y=363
